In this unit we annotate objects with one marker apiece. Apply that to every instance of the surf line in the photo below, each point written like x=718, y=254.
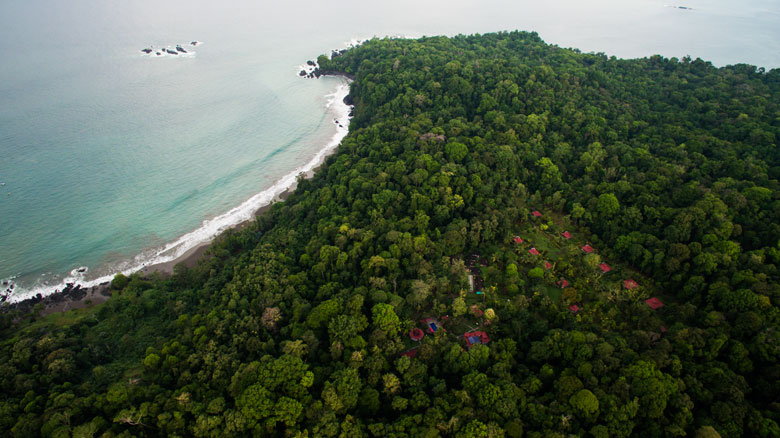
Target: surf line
x=210, y=228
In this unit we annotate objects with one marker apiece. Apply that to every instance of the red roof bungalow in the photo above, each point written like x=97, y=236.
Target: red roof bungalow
x=536, y=213
x=630, y=284
x=566, y=235
x=416, y=334
x=547, y=265
x=588, y=249
x=431, y=324
x=518, y=239
x=563, y=283
x=574, y=308
x=604, y=268
x=473, y=338
x=533, y=251
x=654, y=303
x=410, y=353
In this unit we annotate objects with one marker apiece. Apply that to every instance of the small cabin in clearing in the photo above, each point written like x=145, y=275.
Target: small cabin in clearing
x=473, y=338
x=431, y=325
x=410, y=353
x=654, y=303
x=630, y=284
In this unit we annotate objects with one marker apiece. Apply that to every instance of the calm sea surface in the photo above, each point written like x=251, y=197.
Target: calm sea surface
x=110, y=156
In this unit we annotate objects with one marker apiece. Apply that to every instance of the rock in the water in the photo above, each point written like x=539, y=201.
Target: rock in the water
x=179, y=49
x=171, y=52
x=147, y=50
x=348, y=100
x=310, y=62
x=158, y=53
x=194, y=43
x=302, y=73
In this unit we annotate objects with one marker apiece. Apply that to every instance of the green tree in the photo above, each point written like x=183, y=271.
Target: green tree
x=385, y=319
x=456, y=151
x=459, y=307
x=592, y=261
x=608, y=205
x=255, y=404
x=585, y=404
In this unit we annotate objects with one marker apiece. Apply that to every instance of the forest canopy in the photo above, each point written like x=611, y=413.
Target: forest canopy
x=515, y=239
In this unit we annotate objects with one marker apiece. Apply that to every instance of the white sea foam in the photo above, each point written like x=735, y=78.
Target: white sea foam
x=212, y=227
x=307, y=68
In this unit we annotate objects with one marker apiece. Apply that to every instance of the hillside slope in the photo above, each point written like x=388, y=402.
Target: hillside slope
x=302, y=324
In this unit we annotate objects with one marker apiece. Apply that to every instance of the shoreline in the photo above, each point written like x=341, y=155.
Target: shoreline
x=76, y=295
x=191, y=257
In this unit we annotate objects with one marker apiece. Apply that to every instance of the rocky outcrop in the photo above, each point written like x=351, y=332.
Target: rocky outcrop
x=171, y=52
x=318, y=72
x=147, y=51
x=71, y=292
x=180, y=49
x=335, y=53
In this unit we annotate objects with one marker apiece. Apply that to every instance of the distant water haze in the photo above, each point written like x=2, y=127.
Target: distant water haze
x=108, y=154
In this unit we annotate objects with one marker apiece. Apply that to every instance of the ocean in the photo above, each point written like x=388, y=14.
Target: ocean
x=112, y=159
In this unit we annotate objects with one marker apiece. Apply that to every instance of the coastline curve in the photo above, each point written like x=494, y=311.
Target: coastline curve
x=184, y=246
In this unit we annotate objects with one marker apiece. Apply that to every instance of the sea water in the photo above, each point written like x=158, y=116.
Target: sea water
x=112, y=159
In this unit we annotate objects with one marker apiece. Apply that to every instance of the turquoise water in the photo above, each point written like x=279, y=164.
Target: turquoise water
x=110, y=157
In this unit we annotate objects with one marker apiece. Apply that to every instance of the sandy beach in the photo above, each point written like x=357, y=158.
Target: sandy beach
x=79, y=298
x=191, y=257
x=76, y=297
